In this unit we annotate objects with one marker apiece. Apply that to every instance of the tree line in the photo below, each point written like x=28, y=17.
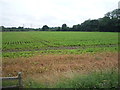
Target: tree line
x=109, y=23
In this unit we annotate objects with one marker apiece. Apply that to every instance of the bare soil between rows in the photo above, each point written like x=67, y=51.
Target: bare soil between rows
x=59, y=48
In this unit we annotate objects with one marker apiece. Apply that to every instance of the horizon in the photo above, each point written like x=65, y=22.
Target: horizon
x=52, y=13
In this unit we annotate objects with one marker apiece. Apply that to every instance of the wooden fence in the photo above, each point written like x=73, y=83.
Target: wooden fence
x=19, y=78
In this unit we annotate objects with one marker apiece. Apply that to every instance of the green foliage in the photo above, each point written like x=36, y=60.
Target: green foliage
x=6, y=83
x=30, y=83
x=106, y=79
x=90, y=25
x=25, y=44
x=45, y=28
x=109, y=25
x=98, y=79
x=64, y=27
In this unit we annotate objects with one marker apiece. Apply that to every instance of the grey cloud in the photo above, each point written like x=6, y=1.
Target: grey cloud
x=52, y=12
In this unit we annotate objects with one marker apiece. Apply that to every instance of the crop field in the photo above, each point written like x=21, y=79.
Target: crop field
x=15, y=44
x=47, y=58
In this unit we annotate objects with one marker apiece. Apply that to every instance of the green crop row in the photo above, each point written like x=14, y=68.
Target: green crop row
x=39, y=40
x=64, y=51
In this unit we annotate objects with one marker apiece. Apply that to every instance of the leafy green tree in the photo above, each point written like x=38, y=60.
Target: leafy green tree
x=104, y=24
x=76, y=27
x=45, y=28
x=113, y=14
x=64, y=27
x=58, y=29
x=2, y=28
x=20, y=27
x=90, y=25
x=110, y=22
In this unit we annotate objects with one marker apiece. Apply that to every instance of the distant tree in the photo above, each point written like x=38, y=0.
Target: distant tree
x=108, y=15
x=110, y=22
x=104, y=24
x=2, y=28
x=76, y=27
x=109, y=25
x=45, y=28
x=58, y=29
x=64, y=27
x=14, y=27
x=90, y=25
x=20, y=27
x=116, y=13
x=113, y=14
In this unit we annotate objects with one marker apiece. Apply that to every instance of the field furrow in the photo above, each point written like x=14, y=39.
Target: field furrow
x=60, y=48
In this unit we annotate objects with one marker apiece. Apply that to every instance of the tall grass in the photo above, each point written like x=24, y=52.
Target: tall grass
x=107, y=79
x=101, y=79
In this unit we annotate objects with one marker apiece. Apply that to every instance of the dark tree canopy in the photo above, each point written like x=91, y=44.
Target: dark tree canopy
x=109, y=23
x=45, y=28
x=113, y=14
x=64, y=27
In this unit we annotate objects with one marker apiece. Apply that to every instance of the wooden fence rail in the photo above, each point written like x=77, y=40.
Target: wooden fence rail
x=19, y=78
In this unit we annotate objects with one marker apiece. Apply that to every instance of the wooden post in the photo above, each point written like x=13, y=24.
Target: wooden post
x=20, y=80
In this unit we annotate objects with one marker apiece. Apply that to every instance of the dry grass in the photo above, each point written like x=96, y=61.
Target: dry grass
x=52, y=67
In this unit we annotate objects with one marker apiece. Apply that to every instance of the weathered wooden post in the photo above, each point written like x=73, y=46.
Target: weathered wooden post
x=20, y=80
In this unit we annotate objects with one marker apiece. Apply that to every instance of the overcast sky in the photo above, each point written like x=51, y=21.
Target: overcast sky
x=36, y=13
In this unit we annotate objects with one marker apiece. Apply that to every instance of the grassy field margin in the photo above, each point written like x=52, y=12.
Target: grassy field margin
x=98, y=79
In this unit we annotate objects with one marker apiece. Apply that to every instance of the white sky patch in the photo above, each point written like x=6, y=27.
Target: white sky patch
x=53, y=13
